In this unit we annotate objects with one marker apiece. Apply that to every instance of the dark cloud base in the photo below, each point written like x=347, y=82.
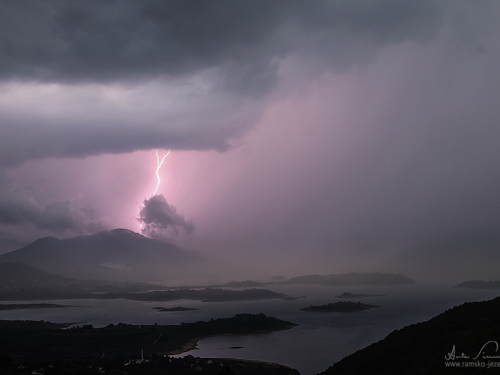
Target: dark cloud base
x=221, y=59
x=108, y=41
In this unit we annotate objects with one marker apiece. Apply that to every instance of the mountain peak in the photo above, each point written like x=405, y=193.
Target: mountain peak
x=121, y=232
x=132, y=256
x=46, y=240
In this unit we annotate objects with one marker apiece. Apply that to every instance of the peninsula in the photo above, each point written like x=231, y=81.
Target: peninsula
x=132, y=349
x=43, y=340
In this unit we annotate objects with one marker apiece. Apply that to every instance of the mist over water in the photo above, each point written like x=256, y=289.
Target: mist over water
x=320, y=340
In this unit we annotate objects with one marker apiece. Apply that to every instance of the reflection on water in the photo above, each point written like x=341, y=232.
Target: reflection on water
x=319, y=341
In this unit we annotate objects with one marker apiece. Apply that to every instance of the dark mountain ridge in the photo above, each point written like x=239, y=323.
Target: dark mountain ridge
x=118, y=254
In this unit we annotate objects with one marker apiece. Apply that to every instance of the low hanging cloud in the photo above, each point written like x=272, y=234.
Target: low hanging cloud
x=84, y=78
x=94, y=41
x=160, y=220
x=22, y=216
x=54, y=217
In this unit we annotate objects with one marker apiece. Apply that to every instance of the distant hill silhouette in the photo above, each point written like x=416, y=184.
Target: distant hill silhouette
x=22, y=276
x=19, y=282
x=117, y=254
x=472, y=329
x=479, y=284
x=22, y=282
x=354, y=278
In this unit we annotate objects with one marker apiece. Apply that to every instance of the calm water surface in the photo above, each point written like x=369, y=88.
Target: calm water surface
x=320, y=340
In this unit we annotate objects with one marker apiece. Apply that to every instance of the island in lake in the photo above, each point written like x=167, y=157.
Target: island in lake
x=348, y=295
x=177, y=308
x=340, y=307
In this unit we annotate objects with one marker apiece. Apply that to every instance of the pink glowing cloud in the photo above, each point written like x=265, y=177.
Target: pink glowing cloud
x=329, y=130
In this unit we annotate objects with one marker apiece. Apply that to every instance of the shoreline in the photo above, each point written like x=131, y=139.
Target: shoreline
x=193, y=343
x=188, y=346
x=251, y=361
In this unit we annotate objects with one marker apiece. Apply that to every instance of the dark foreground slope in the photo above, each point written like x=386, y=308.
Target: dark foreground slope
x=462, y=340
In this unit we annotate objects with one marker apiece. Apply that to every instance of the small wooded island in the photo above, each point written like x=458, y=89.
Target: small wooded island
x=348, y=295
x=340, y=307
x=176, y=308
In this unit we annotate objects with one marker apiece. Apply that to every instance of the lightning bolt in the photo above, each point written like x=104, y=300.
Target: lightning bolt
x=158, y=166
x=132, y=158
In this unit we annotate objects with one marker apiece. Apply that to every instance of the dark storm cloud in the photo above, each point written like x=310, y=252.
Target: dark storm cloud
x=397, y=100
x=161, y=220
x=19, y=211
x=106, y=41
x=115, y=40
x=44, y=139
x=79, y=73
x=213, y=62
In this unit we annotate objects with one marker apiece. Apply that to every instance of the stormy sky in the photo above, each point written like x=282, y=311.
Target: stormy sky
x=326, y=136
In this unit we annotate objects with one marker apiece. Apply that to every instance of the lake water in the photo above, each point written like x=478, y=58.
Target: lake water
x=320, y=340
